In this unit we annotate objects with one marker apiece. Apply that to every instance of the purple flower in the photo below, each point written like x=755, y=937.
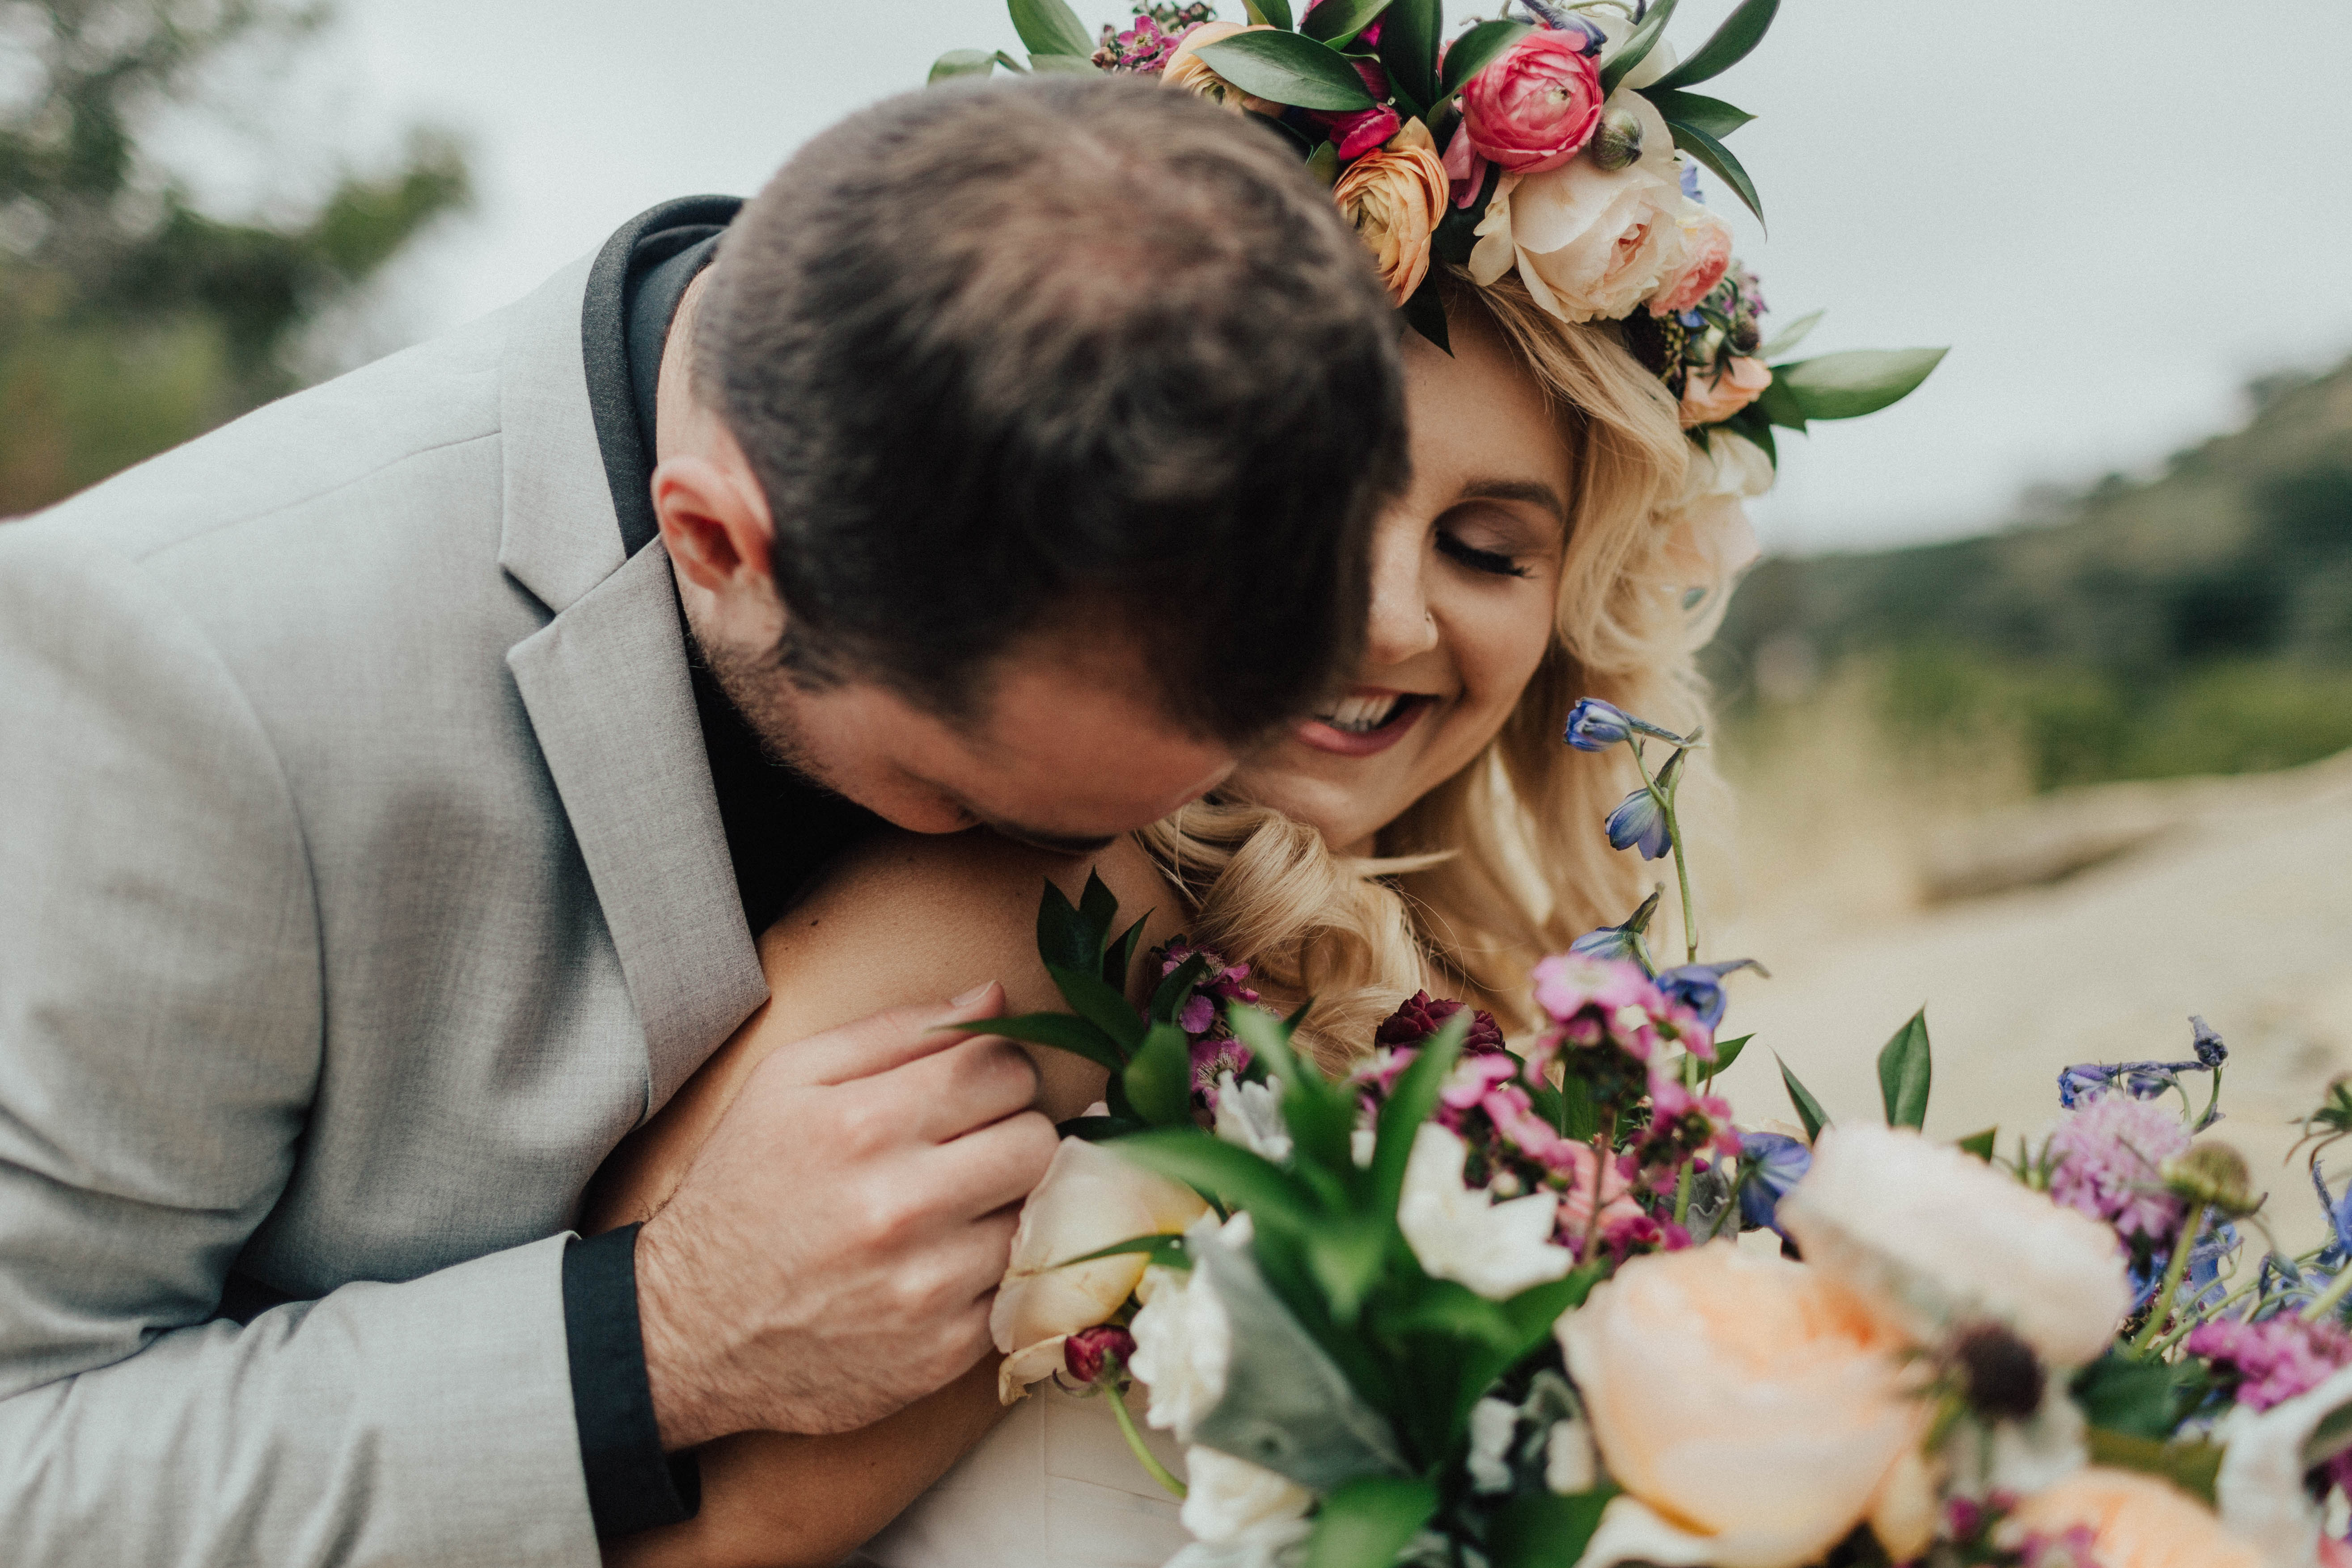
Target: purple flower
x=2146, y=1080
x=1595, y=726
x=2106, y=1158
x=1199, y=1016
x=1772, y=1163
x=1622, y=941
x=2269, y=1363
x=1211, y=1059
x=1699, y=987
x=1640, y=822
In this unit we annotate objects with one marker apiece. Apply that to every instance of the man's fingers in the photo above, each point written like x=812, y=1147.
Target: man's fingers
x=963, y=1088
x=880, y=1041
x=994, y=1166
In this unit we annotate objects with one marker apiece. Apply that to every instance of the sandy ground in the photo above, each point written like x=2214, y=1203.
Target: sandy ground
x=2233, y=899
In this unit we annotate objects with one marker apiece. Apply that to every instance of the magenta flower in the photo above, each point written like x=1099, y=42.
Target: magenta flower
x=1536, y=107
x=1089, y=1351
x=2106, y=1158
x=1421, y=1015
x=1683, y=1124
x=2269, y=1363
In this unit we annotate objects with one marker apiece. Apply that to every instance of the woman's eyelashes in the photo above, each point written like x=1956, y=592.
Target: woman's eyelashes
x=1493, y=563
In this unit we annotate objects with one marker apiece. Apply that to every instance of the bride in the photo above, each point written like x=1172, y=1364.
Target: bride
x=1560, y=538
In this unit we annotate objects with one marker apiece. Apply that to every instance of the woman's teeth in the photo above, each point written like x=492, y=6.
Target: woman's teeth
x=1361, y=715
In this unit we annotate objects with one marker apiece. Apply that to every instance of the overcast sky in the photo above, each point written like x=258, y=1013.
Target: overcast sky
x=2114, y=210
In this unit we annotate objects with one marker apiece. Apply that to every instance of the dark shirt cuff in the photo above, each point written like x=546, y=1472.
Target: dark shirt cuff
x=632, y=1484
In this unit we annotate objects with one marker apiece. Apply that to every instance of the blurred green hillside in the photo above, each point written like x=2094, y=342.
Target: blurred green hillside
x=131, y=319
x=2197, y=622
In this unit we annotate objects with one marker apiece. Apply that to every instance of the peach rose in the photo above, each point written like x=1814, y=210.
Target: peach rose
x=1394, y=197
x=2135, y=1522
x=1592, y=243
x=1187, y=70
x=1090, y=1199
x=1709, y=398
x=1682, y=1347
x=1707, y=241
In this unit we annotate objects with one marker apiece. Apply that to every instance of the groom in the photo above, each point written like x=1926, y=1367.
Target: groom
x=389, y=818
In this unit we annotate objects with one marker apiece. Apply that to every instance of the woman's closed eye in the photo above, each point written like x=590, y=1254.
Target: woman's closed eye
x=1493, y=563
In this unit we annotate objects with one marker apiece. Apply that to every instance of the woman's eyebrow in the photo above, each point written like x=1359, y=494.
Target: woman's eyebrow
x=1533, y=491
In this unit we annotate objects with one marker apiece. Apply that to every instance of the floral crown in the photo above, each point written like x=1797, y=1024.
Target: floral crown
x=1564, y=145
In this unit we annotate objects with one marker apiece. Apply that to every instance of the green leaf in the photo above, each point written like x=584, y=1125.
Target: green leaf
x=2132, y=1398
x=1778, y=406
x=1268, y=13
x=1849, y=385
x=1727, y=1052
x=1232, y=1174
x=1712, y=115
x=1740, y=32
x=1980, y=1144
x=1062, y=65
x=1751, y=423
x=1425, y=314
x=1160, y=1078
x=1097, y=1004
x=1119, y=959
x=1346, y=1255
x=1097, y=1129
x=1175, y=988
x=1904, y=1071
x=1097, y=908
x=2332, y=1437
x=960, y=62
x=1009, y=63
x=1718, y=158
x=1057, y=1031
x=1050, y=27
x=1166, y=1250
x=1544, y=1530
x=1809, y=1110
x=1477, y=49
x=1336, y=22
x=1409, y=1105
x=1367, y=1521
x=1636, y=48
x=1408, y=34
x=2192, y=1466
x=1287, y=69
x=1061, y=936
x=1790, y=336
x=1324, y=165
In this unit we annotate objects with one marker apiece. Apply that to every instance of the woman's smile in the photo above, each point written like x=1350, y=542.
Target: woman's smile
x=1365, y=723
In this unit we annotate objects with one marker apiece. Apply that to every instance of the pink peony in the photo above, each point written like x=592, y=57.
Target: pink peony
x=1711, y=397
x=1708, y=240
x=2106, y=1157
x=1536, y=107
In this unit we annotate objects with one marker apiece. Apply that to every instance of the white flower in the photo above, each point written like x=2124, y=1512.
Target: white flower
x=1492, y=1422
x=1942, y=1238
x=2020, y=1458
x=1235, y=1504
x=1568, y=1464
x=1590, y=242
x=1496, y=1250
x=1090, y=1199
x=2260, y=1489
x=1250, y=1114
x=1362, y=1144
x=1183, y=1339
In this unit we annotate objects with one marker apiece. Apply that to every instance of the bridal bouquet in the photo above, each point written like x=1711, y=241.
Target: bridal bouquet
x=1549, y=1307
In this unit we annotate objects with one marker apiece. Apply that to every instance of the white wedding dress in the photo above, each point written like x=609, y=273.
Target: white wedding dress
x=1054, y=1485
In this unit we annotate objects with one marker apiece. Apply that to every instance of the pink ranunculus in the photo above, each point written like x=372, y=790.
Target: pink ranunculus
x=1710, y=398
x=1536, y=107
x=1464, y=170
x=1708, y=258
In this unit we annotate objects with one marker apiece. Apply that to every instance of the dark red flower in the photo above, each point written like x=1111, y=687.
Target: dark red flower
x=1421, y=1017
x=1088, y=1351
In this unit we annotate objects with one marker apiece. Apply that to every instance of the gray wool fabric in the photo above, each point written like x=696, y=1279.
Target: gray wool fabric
x=362, y=882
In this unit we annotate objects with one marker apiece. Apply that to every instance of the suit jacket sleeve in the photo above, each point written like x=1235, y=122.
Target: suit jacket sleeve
x=160, y=1014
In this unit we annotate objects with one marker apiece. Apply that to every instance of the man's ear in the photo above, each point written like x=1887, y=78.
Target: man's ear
x=714, y=522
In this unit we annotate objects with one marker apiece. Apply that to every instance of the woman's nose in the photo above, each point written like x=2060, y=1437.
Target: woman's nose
x=1401, y=625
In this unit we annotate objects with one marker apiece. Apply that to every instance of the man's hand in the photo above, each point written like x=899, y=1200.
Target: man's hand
x=830, y=1254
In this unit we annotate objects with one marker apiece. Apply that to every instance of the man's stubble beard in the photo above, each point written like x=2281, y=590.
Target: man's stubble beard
x=759, y=688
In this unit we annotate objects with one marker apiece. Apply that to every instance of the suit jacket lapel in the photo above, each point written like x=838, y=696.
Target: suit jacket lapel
x=606, y=687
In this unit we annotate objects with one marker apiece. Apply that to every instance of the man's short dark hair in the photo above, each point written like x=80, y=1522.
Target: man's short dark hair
x=1006, y=355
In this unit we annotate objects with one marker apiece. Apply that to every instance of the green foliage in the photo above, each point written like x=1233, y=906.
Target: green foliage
x=1408, y=33
x=1288, y=69
x=1730, y=44
x=130, y=320
x=1809, y=1110
x=2129, y=1395
x=1718, y=160
x=1904, y=1073
x=1050, y=27
x=1336, y=22
x=1980, y=1144
x=1849, y=385
x=1636, y=48
x=961, y=62
x=1367, y=1522
x=1543, y=1529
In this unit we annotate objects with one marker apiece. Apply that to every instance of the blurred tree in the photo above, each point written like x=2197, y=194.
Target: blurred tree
x=129, y=320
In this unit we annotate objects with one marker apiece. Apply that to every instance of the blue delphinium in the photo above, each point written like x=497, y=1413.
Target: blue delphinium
x=1640, y=822
x=1622, y=941
x=1699, y=987
x=2146, y=1080
x=1595, y=726
x=1771, y=1163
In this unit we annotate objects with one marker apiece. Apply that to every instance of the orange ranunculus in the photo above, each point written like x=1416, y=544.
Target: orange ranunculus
x=1682, y=1347
x=1394, y=197
x=1186, y=69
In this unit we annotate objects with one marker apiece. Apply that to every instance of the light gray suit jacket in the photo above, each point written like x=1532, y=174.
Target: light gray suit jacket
x=362, y=882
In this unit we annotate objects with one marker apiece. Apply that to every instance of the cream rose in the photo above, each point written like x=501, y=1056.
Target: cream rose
x=1683, y=1347
x=1090, y=1199
x=1394, y=197
x=1185, y=69
x=2135, y=1522
x=1251, y=1512
x=1591, y=243
x=1183, y=1336
x=1943, y=1239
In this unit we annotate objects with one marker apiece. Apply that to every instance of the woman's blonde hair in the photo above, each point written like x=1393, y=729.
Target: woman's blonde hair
x=1504, y=861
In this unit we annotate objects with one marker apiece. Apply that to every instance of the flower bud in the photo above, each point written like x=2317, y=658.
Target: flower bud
x=2216, y=1174
x=1089, y=1351
x=1617, y=144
